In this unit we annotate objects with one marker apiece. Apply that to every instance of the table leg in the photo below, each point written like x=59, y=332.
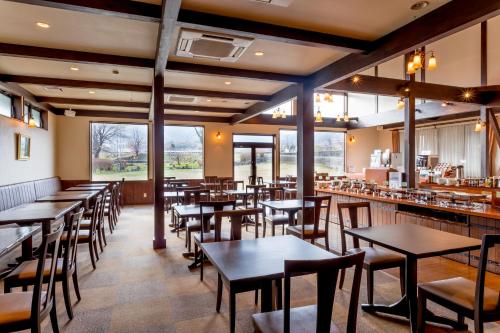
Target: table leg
x=269, y=298
x=411, y=291
x=27, y=249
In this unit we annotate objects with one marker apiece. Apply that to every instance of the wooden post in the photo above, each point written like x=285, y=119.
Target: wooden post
x=159, y=241
x=409, y=131
x=305, y=141
x=485, y=142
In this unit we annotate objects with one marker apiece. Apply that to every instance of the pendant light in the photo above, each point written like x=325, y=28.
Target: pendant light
x=417, y=60
x=275, y=114
x=317, y=98
x=401, y=103
x=319, y=116
x=31, y=121
x=432, y=65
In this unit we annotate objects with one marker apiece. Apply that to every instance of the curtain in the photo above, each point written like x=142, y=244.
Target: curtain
x=472, y=154
x=426, y=140
x=452, y=144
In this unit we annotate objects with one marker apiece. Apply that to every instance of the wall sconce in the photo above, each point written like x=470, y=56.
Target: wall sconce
x=352, y=139
x=479, y=126
x=218, y=136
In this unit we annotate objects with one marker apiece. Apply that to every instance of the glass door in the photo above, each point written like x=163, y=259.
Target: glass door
x=242, y=163
x=264, y=163
x=253, y=156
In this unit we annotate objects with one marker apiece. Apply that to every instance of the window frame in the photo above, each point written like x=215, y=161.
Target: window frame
x=204, y=150
x=6, y=94
x=252, y=145
x=120, y=123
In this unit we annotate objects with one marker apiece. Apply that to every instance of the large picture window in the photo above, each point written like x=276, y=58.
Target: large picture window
x=329, y=152
x=184, y=152
x=119, y=151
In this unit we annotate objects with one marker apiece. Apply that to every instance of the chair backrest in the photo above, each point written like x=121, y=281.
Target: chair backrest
x=210, y=179
x=327, y=271
x=71, y=242
x=489, y=241
x=212, y=206
x=236, y=219
x=272, y=193
x=49, y=249
x=194, y=196
x=98, y=211
x=354, y=209
x=311, y=211
x=255, y=181
x=255, y=190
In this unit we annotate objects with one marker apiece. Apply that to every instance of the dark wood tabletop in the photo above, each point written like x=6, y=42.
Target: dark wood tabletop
x=94, y=184
x=87, y=188
x=11, y=238
x=280, y=182
x=261, y=258
x=238, y=192
x=68, y=196
x=285, y=205
x=37, y=212
x=187, y=211
x=415, y=240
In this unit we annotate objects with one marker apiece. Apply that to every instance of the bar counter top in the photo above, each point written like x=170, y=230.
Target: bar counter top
x=487, y=211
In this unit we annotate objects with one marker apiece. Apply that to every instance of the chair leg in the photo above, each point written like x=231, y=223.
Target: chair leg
x=256, y=298
x=67, y=297
x=53, y=317
x=369, y=285
x=342, y=277
x=327, y=243
x=94, y=243
x=92, y=256
x=219, y=293
x=402, y=281
x=104, y=237
x=110, y=223
x=273, y=232
x=478, y=325
x=202, y=263
x=422, y=301
x=76, y=286
x=264, y=229
x=99, y=236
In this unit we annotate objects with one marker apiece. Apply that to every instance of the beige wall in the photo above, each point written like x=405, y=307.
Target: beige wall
x=358, y=153
x=42, y=163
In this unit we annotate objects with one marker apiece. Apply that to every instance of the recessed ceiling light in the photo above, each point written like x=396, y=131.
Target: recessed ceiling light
x=419, y=5
x=209, y=100
x=259, y=53
x=43, y=25
x=227, y=83
x=74, y=68
x=91, y=92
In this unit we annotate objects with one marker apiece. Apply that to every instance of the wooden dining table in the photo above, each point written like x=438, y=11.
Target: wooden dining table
x=13, y=237
x=65, y=196
x=247, y=265
x=38, y=212
x=280, y=183
x=415, y=242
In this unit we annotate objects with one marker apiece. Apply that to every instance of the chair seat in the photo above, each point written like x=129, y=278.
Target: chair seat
x=83, y=235
x=209, y=237
x=277, y=219
x=196, y=224
x=296, y=230
x=379, y=257
x=461, y=292
x=302, y=319
x=27, y=269
x=16, y=307
x=85, y=224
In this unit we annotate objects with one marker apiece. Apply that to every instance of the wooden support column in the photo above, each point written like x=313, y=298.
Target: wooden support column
x=159, y=241
x=485, y=142
x=409, y=132
x=305, y=140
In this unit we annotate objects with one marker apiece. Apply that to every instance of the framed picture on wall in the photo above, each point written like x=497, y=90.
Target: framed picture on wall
x=23, y=147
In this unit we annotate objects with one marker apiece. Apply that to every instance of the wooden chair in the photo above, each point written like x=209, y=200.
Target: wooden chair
x=207, y=232
x=25, y=274
x=26, y=310
x=89, y=232
x=274, y=219
x=314, y=318
x=252, y=180
x=236, y=218
x=375, y=258
x=193, y=197
x=180, y=201
x=466, y=298
x=310, y=228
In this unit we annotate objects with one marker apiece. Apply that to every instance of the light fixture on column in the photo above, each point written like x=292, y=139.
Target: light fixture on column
x=479, y=126
x=338, y=118
x=218, y=136
x=401, y=103
x=319, y=117
x=275, y=114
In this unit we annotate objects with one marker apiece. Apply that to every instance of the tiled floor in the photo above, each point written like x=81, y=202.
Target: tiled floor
x=136, y=289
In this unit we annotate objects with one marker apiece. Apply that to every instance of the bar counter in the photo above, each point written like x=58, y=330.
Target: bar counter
x=462, y=221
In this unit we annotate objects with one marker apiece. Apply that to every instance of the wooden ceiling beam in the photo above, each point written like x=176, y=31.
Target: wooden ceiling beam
x=278, y=98
x=73, y=56
x=105, y=114
x=259, y=30
x=126, y=9
x=231, y=72
x=216, y=94
x=447, y=19
x=97, y=102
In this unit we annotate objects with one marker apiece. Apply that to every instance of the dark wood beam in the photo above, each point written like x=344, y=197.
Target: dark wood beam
x=231, y=72
x=259, y=30
x=198, y=119
x=17, y=90
x=82, y=101
x=447, y=19
x=45, y=81
x=179, y=107
x=267, y=119
x=278, y=98
x=305, y=141
x=409, y=133
x=159, y=241
x=132, y=10
x=216, y=94
x=73, y=56
x=448, y=118
x=105, y=114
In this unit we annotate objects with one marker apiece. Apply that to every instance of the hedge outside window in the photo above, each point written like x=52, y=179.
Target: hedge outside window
x=119, y=151
x=184, y=152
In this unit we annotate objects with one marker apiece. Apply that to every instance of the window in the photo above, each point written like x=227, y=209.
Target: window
x=5, y=105
x=26, y=113
x=37, y=116
x=329, y=150
x=361, y=104
x=330, y=109
x=119, y=151
x=184, y=152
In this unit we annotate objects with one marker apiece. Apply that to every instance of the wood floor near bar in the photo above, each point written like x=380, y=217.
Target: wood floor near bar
x=136, y=289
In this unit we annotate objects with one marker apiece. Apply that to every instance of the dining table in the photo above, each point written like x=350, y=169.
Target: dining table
x=415, y=242
x=64, y=196
x=247, y=265
x=38, y=212
x=99, y=188
x=13, y=237
x=280, y=183
x=291, y=207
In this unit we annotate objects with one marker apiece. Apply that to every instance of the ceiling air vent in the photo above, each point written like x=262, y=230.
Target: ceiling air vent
x=281, y=3
x=53, y=88
x=181, y=99
x=199, y=44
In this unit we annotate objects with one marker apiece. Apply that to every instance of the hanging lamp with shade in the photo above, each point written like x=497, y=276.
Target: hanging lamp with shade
x=319, y=117
x=418, y=60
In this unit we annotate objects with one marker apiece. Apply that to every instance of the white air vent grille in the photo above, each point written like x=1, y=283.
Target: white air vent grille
x=199, y=44
x=281, y=3
x=53, y=88
x=181, y=99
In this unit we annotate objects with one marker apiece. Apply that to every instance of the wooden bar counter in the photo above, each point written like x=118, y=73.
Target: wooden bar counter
x=462, y=221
